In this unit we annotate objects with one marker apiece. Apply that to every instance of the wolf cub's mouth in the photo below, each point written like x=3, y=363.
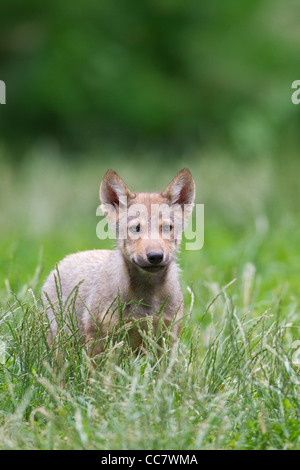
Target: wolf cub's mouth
x=150, y=268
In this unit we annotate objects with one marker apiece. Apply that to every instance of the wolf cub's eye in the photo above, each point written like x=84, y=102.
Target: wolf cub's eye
x=135, y=228
x=166, y=228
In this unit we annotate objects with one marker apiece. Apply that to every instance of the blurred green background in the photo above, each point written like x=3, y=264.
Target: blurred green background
x=158, y=72
x=148, y=88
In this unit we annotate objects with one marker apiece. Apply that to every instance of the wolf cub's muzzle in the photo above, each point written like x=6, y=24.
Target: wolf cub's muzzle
x=153, y=262
x=155, y=257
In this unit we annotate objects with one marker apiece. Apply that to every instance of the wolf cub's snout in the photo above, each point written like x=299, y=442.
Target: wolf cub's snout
x=148, y=230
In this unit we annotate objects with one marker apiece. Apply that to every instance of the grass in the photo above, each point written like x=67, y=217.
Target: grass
x=233, y=380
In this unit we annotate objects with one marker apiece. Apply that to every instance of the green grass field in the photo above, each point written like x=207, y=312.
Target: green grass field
x=233, y=380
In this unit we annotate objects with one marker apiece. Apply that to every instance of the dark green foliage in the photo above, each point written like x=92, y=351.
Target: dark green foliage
x=176, y=72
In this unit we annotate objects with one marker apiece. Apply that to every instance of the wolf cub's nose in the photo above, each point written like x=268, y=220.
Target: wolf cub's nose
x=155, y=257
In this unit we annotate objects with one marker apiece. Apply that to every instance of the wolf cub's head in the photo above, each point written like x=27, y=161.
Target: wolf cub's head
x=148, y=225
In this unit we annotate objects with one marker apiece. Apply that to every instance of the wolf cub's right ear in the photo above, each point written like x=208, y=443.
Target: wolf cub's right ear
x=113, y=192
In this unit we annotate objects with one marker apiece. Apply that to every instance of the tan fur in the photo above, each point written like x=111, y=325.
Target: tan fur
x=126, y=271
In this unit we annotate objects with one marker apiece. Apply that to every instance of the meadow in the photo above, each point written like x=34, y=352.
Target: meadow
x=233, y=380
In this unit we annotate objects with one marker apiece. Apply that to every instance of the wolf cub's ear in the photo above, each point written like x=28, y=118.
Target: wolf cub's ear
x=113, y=193
x=113, y=190
x=181, y=191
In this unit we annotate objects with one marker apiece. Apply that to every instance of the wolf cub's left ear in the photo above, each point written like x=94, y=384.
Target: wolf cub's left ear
x=181, y=191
